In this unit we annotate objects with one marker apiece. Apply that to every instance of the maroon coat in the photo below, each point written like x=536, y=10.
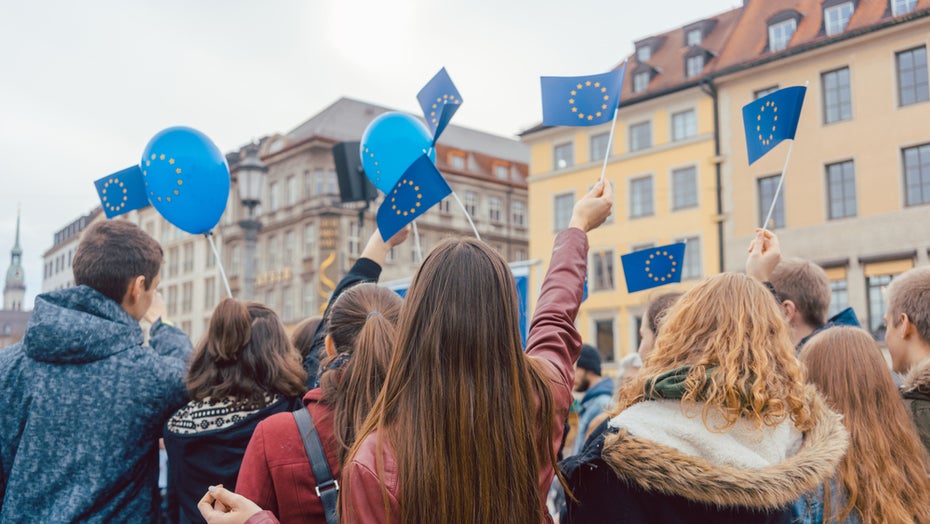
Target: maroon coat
x=553, y=341
x=275, y=471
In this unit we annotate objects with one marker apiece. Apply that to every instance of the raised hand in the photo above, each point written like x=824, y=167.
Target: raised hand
x=593, y=208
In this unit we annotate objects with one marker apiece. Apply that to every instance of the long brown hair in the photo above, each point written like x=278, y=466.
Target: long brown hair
x=362, y=325
x=468, y=416
x=730, y=332
x=245, y=355
x=884, y=472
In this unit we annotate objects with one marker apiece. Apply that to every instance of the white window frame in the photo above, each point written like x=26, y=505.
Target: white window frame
x=901, y=7
x=833, y=18
x=691, y=40
x=780, y=36
x=690, y=125
x=694, y=65
x=641, y=81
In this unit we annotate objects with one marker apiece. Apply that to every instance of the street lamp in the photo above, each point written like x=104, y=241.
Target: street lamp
x=250, y=174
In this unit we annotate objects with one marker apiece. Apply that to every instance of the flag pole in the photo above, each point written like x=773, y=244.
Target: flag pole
x=781, y=179
x=613, y=125
x=219, y=262
x=416, y=239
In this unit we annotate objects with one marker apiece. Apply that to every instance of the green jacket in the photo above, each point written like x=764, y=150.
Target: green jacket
x=916, y=392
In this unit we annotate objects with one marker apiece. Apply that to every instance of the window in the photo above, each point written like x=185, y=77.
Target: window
x=693, y=37
x=876, y=289
x=563, y=210
x=445, y=207
x=900, y=7
x=841, y=189
x=599, y=146
x=287, y=312
x=684, y=188
x=767, y=186
x=320, y=181
x=332, y=182
x=518, y=208
x=494, y=209
x=172, y=304
x=694, y=65
x=354, y=248
x=603, y=264
x=457, y=160
x=641, y=197
x=917, y=174
x=643, y=54
x=684, y=125
x=640, y=82
x=912, y=76
x=471, y=203
x=290, y=245
x=309, y=239
x=188, y=257
x=307, y=290
x=519, y=254
x=173, y=261
x=291, y=190
x=501, y=171
x=187, y=297
x=764, y=92
x=209, y=293
x=691, y=265
x=308, y=184
x=273, y=201
x=640, y=136
x=780, y=34
x=272, y=255
x=564, y=156
x=210, y=261
x=837, y=102
x=604, y=338
x=839, y=297
x=835, y=18
x=235, y=259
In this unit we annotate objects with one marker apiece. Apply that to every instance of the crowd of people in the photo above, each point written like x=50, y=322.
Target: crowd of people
x=744, y=402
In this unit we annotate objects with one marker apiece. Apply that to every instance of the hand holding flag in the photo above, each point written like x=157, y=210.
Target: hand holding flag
x=581, y=100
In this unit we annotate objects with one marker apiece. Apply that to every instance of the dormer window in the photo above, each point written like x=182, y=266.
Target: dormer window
x=693, y=37
x=457, y=160
x=641, y=81
x=647, y=47
x=901, y=7
x=643, y=54
x=836, y=17
x=781, y=28
x=695, y=60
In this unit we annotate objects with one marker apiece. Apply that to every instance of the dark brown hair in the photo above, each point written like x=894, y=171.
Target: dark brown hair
x=362, y=324
x=806, y=284
x=656, y=309
x=469, y=417
x=111, y=254
x=245, y=355
x=303, y=335
x=884, y=472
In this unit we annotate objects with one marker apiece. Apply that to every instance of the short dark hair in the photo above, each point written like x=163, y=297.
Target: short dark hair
x=806, y=284
x=112, y=253
x=656, y=310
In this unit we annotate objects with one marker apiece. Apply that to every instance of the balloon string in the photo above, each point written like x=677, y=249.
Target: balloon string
x=219, y=262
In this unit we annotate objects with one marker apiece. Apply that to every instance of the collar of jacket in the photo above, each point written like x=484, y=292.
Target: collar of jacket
x=918, y=379
x=657, y=468
x=672, y=384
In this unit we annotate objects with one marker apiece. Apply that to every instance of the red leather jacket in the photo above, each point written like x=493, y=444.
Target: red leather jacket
x=553, y=340
x=275, y=471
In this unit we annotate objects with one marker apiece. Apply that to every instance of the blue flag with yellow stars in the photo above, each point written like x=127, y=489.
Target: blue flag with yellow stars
x=653, y=267
x=581, y=100
x=122, y=191
x=771, y=119
x=440, y=100
x=420, y=188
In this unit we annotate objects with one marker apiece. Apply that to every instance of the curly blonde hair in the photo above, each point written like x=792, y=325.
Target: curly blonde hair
x=731, y=334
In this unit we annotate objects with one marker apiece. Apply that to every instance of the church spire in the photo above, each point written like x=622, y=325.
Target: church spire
x=14, y=290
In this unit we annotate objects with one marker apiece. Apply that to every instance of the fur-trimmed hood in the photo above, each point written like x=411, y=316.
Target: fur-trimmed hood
x=918, y=379
x=655, y=467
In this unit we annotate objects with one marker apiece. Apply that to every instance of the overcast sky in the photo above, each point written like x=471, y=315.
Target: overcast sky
x=84, y=85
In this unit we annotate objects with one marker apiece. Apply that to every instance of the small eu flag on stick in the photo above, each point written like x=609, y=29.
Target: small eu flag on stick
x=771, y=119
x=653, y=267
x=420, y=188
x=439, y=100
x=122, y=192
x=581, y=100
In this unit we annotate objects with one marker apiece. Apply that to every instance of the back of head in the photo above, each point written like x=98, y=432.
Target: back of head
x=362, y=326
x=729, y=327
x=806, y=284
x=461, y=405
x=303, y=334
x=884, y=470
x=909, y=293
x=246, y=355
x=112, y=253
x=658, y=307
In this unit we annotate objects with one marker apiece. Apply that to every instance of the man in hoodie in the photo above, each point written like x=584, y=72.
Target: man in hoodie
x=83, y=401
x=597, y=391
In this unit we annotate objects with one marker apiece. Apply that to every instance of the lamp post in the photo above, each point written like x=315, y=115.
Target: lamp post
x=250, y=172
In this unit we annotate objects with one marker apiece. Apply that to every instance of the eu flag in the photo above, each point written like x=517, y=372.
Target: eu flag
x=653, y=267
x=420, y=188
x=771, y=119
x=581, y=100
x=440, y=100
x=122, y=191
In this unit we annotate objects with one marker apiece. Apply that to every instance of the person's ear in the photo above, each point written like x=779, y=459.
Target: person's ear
x=134, y=290
x=789, y=309
x=907, y=327
x=330, y=346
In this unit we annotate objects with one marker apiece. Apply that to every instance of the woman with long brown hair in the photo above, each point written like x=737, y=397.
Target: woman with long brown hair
x=244, y=370
x=883, y=477
x=717, y=426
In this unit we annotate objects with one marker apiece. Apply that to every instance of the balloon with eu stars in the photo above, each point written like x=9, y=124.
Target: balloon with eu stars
x=390, y=144
x=186, y=178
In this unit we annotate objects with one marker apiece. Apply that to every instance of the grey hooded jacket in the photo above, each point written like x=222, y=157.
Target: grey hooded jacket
x=82, y=403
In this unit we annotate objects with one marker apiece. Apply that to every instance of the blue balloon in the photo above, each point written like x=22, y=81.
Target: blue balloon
x=186, y=178
x=390, y=144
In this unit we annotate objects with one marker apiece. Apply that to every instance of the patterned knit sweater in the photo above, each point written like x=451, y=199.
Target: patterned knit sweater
x=82, y=404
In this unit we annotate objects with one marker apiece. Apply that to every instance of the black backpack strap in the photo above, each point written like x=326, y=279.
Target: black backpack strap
x=327, y=488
